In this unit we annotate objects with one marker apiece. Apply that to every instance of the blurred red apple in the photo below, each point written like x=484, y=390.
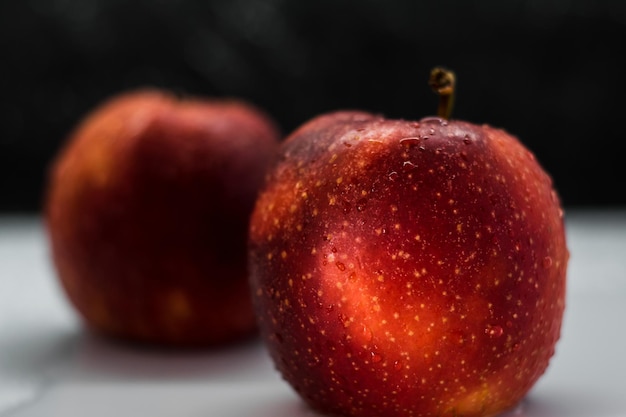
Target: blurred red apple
x=408, y=268
x=147, y=213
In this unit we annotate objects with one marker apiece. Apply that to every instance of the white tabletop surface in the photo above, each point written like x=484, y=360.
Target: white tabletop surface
x=50, y=366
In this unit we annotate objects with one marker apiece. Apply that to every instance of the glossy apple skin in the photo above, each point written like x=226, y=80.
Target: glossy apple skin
x=147, y=215
x=408, y=268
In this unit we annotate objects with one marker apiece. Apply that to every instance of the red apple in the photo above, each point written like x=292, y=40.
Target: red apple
x=408, y=268
x=147, y=213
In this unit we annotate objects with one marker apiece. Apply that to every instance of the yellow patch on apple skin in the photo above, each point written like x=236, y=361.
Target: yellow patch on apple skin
x=178, y=306
x=473, y=403
x=101, y=169
x=100, y=315
x=484, y=400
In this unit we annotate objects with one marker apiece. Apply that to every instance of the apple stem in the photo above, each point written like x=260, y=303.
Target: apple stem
x=442, y=82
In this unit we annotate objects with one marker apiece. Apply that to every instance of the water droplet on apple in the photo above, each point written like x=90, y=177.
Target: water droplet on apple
x=376, y=357
x=434, y=120
x=409, y=165
x=554, y=196
x=360, y=204
x=341, y=266
x=467, y=140
x=431, y=131
x=397, y=365
x=494, y=331
x=330, y=308
x=367, y=333
x=410, y=142
x=547, y=262
x=393, y=175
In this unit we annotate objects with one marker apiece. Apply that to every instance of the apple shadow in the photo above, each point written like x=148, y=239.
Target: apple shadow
x=283, y=407
x=33, y=352
x=564, y=403
x=80, y=355
x=101, y=356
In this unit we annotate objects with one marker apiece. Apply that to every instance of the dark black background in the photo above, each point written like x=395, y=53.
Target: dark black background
x=548, y=71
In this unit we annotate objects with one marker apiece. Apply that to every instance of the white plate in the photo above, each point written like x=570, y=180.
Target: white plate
x=50, y=367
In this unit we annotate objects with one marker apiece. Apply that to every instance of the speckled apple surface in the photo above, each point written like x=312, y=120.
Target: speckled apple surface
x=147, y=214
x=408, y=268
